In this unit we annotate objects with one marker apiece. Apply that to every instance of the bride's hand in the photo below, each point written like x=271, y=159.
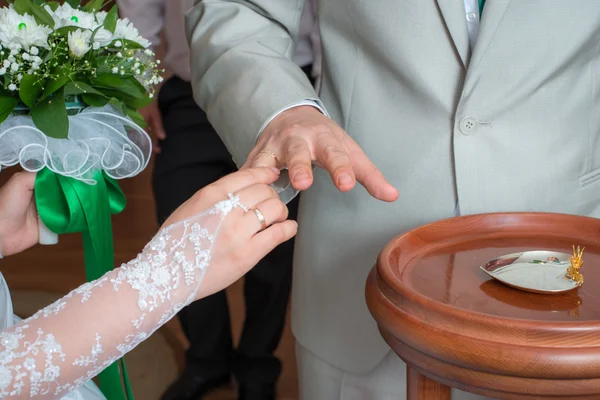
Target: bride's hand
x=241, y=243
x=18, y=216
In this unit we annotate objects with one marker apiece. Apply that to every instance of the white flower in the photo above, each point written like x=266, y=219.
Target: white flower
x=118, y=43
x=6, y=64
x=14, y=67
x=100, y=17
x=12, y=87
x=115, y=70
x=21, y=31
x=79, y=43
x=65, y=15
x=2, y=71
x=20, y=77
x=103, y=38
x=126, y=30
x=34, y=51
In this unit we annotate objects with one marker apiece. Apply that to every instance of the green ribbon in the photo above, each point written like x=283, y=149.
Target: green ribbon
x=67, y=205
x=481, y=4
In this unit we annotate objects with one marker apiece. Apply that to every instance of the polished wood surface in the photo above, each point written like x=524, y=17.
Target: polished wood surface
x=452, y=323
x=420, y=387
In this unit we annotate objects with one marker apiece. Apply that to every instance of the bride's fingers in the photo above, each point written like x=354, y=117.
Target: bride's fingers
x=272, y=211
x=247, y=177
x=264, y=242
x=255, y=194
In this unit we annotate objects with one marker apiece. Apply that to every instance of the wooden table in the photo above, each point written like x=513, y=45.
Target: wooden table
x=456, y=327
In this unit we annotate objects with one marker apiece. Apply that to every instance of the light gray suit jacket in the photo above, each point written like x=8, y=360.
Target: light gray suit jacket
x=513, y=125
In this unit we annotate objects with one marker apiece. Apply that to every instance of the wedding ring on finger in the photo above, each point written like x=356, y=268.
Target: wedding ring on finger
x=261, y=218
x=270, y=153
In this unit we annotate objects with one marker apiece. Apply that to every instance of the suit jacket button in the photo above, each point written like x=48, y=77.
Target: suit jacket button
x=468, y=126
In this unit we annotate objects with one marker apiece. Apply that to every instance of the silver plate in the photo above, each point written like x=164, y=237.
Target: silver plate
x=537, y=271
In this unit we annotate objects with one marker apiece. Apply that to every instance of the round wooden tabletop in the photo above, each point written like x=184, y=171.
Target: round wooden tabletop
x=454, y=324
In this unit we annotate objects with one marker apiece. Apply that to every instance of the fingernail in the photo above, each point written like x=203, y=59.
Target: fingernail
x=276, y=170
x=301, y=175
x=345, y=180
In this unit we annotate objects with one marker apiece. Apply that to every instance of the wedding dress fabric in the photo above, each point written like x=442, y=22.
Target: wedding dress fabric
x=55, y=352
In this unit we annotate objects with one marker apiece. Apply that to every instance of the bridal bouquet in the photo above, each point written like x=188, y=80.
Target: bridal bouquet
x=72, y=78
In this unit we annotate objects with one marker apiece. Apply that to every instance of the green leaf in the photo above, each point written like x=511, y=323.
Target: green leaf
x=50, y=116
x=136, y=116
x=48, y=56
x=105, y=64
x=93, y=5
x=30, y=88
x=129, y=44
x=41, y=16
x=118, y=105
x=7, y=105
x=110, y=22
x=74, y=3
x=65, y=30
x=130, y=101
x=52, y=4
x=53, y=85
x=78, y=88
x=128, y=86
x=22, y=6
x=95, y=100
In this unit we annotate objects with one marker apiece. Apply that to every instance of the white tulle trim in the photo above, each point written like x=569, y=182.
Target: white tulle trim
x=99, y=139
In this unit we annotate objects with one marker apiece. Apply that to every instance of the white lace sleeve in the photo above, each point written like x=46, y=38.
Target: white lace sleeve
x=74, y=339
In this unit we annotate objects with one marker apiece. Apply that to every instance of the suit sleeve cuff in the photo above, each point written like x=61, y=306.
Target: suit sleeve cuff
x=299, y=104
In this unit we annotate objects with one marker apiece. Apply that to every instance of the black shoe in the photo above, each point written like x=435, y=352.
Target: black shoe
x=256, y=392
x=192, y=386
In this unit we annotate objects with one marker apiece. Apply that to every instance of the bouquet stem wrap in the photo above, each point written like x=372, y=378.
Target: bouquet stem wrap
x=68, y=205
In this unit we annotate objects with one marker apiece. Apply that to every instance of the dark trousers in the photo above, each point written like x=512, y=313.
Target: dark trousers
x=192, y=157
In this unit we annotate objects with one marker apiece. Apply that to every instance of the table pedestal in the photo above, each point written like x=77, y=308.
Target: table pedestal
x=420, y=387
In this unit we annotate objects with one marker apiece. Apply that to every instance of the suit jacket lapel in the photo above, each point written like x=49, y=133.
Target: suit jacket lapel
x=493, y=13
x=453, y=12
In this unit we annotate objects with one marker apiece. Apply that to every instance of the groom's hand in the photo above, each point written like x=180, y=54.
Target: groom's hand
x=302, y=136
